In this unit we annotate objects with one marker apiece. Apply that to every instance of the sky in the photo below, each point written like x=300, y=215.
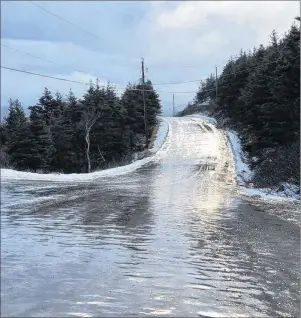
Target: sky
x=180, y=41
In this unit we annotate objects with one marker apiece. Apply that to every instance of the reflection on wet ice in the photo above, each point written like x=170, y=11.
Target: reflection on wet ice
x=170, y=239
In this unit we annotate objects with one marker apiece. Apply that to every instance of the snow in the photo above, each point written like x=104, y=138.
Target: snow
x=244, y=174
x=290, y=192
x=161, y=135
x=210, y=120
x=9, y=174
x=242, y=169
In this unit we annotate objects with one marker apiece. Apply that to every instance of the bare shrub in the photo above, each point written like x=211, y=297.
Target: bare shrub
x=5, y=160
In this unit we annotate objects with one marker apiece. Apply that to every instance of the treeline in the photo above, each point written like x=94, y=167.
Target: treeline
x=258, y=95
x=70, y=135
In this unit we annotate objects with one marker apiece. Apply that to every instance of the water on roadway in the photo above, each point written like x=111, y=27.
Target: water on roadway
x=174, y=238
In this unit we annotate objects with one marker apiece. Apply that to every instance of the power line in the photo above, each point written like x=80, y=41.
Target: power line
x=42, y=75
x=74, y=69
x=42, y=59
x=176, y=83
x=83, y=83
x=59, y=17
x=70, y=23
x=54, y=63
x=118, y=88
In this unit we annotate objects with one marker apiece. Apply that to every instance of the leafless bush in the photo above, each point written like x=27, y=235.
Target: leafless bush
x=4, y=159
x=212, y=108
x=127, y=159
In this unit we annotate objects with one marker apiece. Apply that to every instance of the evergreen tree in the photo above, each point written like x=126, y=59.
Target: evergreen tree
x=41, y=142
x=259, y=94
x=282, y=119
x=70, y=135
x=45, y=106
x=73, y=113
x=207, y=90
x=132, y=102
x=17, y=136
x=153, y=105
x=62, y=135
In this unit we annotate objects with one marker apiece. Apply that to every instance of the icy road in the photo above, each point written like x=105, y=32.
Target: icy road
x=174, y=238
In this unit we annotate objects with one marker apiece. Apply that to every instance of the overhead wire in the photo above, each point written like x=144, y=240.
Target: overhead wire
x=54, y=63
x=94, y=35
x=42, y=59
x=176, y=83
x=42, y=75
x=59, y=17
x=81, y=82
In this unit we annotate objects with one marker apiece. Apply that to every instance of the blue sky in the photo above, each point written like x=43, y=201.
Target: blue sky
x=180, y=41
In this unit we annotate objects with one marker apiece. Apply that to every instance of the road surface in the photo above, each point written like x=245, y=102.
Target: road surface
x=173, y=238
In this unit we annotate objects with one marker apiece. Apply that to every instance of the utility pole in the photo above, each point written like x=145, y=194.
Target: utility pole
x=173, y=105
x=144, y=105
x=216, y=81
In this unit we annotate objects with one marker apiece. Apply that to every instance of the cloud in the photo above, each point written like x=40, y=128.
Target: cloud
x=71, y=62
x=180, y=41
x=66, y=57
x=259, y=16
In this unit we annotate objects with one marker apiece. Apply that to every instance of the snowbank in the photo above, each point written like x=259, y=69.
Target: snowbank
x=290, y=192
x=161, y=136
x=243, y=171
x=9, y=174
x=244, y=174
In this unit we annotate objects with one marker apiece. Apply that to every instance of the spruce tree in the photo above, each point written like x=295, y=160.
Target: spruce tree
x=153, y=105
x=41, y=142
x=17, y=135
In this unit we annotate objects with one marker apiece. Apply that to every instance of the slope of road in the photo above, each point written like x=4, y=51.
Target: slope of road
x=172, y=238
x=245, y=174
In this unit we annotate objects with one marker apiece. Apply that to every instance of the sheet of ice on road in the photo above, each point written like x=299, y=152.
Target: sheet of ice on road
x=172, y=238
x=244, y=173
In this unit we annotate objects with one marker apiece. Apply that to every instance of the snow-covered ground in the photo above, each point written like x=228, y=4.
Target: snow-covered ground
x=289, y=192
x=161, y=135
x=9, y=174
x=244, y=173
x=210, y=120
